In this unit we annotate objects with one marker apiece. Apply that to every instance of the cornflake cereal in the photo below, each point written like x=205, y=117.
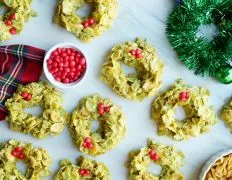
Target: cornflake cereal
x=53, y=119
x=36, y=159
x=141, y=56
x=227, y=115
x=112, y=125
x=85, y=168
x=221, y=170
x=88, y=27
x=167, y=157
x=200, y=116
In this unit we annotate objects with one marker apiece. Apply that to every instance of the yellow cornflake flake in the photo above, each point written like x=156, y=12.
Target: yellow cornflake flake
x=227, y=115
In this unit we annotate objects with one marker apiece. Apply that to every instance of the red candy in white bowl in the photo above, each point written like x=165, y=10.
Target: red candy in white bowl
x=65, y=65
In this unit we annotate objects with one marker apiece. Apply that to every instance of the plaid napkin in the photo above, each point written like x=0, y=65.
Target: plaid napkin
x=19, y=64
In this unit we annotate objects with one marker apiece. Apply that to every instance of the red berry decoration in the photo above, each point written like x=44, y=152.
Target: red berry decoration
x=84, y=172
x=136, y=53
x=88, y=143
x=133, y=52
x=102, y=109
x=13, y=30
x=18, y=153
x=85, y=24
x=184, y=96
x=14, y=153
x=66, y=65
x=8, y=22
x=88, y=22
x=12, y=16
x=153, y=155
x=91, y=21
x=107, y=109
x=26, y=96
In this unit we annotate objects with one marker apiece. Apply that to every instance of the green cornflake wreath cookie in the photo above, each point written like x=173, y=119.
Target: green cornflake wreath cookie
x=53, y=119
x=36, y=159
x=166, y=157
x=88, y=27
x=194, y=100
x=85, y=169
x=141, y=56
x=12, y=22
x=112, y=125
x=227, y=115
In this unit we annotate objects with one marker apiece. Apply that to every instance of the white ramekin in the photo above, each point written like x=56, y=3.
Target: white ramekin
x=212, y=161
x=49, y=76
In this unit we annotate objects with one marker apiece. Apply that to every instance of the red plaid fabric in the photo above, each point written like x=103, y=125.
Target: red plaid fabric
x=19, y=64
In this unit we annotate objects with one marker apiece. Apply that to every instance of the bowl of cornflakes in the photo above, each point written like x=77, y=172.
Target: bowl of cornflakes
x=218, y=167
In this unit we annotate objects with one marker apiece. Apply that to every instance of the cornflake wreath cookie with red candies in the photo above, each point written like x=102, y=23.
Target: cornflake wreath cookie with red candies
x=166, y=157
x=141, y=56
x=85, y=168
x=88, y=27
x=200, y=116
x=53, y=118
x=112, y=125
x=36, y=159
x=12, y=22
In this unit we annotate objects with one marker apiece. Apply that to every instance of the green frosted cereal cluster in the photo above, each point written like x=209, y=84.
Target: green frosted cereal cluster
x=137, y=86
x=169, y=160
x=200, y=116
x=22, y=11
x=112, y=125
x=36, y=159
x=53, y=118
x=104, y=13
x=227, y=115
x=69, y=171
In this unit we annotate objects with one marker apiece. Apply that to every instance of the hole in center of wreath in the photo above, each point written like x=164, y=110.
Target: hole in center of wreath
x=85, y=11
x=35, y=111
x=3, y=9
x=22, y=167
x=154, y=169
x=207, y=31
x=95, y=126
x=128, y=70
x=180, y=114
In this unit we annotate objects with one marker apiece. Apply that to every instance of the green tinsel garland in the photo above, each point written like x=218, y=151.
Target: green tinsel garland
x=204, y=57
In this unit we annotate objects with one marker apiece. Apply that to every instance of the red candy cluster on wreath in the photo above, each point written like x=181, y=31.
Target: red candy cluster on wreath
x=8, y=22
x=138, y=53
x=184, y=96
x=67, y=65
x=88, y=22
x=18, y=153
x=26, y=96
x=88, y=143
x=84, y=172
x=153, y=155
x=102, y=109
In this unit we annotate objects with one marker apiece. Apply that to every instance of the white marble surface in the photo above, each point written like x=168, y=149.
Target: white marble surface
x=136, y=19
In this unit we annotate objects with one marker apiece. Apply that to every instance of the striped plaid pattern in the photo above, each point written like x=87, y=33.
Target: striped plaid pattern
x=19, y=64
